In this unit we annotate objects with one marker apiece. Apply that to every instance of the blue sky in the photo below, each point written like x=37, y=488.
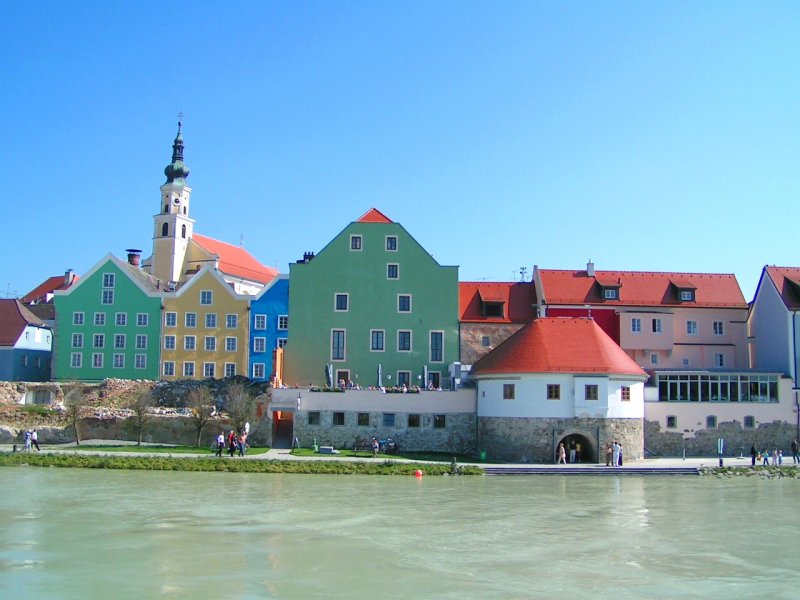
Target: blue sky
x=657, y=136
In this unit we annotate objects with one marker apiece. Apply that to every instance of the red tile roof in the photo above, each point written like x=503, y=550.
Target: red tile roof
x=787, y=282
x=14, y=317
x=235, y=260
x=373, y=215
x=640, y=288
x=50, y=285
x=518, y=300
x=558, y=345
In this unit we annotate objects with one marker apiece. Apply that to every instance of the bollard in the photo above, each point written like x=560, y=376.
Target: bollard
x=720, y=461
x=15, y=448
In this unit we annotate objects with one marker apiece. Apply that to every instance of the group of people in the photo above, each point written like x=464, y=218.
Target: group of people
x=776, y=455
x=235, y=443
x=31, y=440
x=614, y=454
x=574, y=453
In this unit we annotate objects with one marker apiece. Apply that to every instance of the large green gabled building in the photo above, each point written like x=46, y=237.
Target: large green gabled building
x=373, y=300
x=109, y=324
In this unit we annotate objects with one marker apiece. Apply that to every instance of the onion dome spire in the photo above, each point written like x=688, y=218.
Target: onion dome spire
x=176, y=171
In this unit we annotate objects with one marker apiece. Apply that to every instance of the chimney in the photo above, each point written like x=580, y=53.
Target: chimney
x=590, y=268
x=307, y=258
x=134, y=256
x=69, y=277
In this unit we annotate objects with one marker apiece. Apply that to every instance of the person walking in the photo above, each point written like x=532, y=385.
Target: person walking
x=375, y=447
x=609, y=454
x=561, y=454
x=753, y=454
x=620, y=454
x=232, y=443
x=615, y=448
x=220, y=444
x=35, y=440
x=572, y=451
x=28, y=441
x=795, y=451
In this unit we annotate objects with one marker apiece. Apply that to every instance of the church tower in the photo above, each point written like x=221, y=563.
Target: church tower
x=172, y=225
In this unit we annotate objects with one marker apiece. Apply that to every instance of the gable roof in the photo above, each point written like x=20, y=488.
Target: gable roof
x=641, y=288
x=210, y=271
x=373, y=215
x=559, y=345
x=518, y=300
x=787, y=282
x=14, y=317
x=235, y=260
x=149, y=284
x=48, y=286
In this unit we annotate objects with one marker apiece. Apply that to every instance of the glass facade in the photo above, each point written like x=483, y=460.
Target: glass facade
x=706, y=387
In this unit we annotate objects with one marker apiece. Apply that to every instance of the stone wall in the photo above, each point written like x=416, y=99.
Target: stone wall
x=533, y=440
x=458, y=435
x=767, y=436
x=472, y=335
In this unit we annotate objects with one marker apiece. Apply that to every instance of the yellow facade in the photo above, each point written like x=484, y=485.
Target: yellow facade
x=205, y=330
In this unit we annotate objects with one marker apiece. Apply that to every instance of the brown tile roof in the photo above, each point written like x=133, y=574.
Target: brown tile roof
x=373, y=215
x=235, y=260
x=641, y=288
x=14, y=317
x=787, y=282
x=517, y=298
x=559, y=345
x=48, y=286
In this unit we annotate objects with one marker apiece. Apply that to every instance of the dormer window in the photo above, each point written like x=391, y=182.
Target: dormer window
x=610, y=294
x=685, y=290
x=687, y=295
x=493, y=309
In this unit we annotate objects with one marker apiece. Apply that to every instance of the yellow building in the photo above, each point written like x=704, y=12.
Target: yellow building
x=206, y=329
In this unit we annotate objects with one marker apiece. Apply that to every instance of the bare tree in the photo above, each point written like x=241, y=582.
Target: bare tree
x=240, y=404
x=200, y=402
x=73, y=409
x=141, y=404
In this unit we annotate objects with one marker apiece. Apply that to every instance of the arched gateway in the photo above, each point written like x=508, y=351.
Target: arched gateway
x=585, y=447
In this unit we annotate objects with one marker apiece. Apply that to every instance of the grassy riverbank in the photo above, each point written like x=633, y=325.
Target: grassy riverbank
x=231, y=465
x=151, y=448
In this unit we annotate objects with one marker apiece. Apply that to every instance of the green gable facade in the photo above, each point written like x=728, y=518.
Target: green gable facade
x=372, y=299
x=108, y=325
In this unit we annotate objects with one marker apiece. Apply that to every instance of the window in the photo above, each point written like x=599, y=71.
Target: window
x=189, y=342
x=169, y=369
x=719, y=328
x=171, y=319
x=108, y=280
x=403, y=303
x=24, y=360
x=687, y=295
x=119, y=361
x=392, y=271
x=258, y=371
x=749, y=421
x=719, y=360
x=100, y=319
x=553, y=391
x=230, y=344
x=120, y=340
x=231, y=321
x=283, y=322
x=340, y=302
x=260, y=344
x=625, y=393
x=338, y=344
x=209, y=370
x=76, y=360
x=99, y=340
x=590, y=392
x=209, y=343
x=97, y=360
x=355, y=242
x=140, y=361
x=338, y=418
x=672, y=422
x=190, y=319
x=376, y=340
x=211, y=320
x=492, y=309
x=188, y=369
x=711, y=422
x=404, y=378
x=403, y=341
x=610, y=294
x=206, y=297
x=363, y=419
x=437, y=346
x=391, y=243
x=107, y=297
x=313, y=417
x=77, y=318
x=281, y=342
x=653, y=358
x=685, y=362
x=439, y=421
x=509, y=391
x=486, y=341
x=142, y=319
x=636, y=325
x=77, y=340
x=230, y=369
x=657, y=326
x=169, y=342
x=121, y=319
x=141, y=342
x=691, y=327
x=388, y=419
x=165, y=230
x=260, y=322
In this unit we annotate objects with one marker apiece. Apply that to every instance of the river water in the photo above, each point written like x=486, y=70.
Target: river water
x=131, y=534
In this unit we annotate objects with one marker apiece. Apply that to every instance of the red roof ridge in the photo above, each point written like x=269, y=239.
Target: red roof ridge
x=236, y=260
x=607, y=272
x=373, y=215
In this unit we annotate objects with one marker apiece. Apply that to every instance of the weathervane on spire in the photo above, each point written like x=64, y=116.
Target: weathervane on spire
x=180, y=121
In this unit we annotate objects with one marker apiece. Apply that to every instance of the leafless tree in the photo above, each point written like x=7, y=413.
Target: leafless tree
x=240, y=404
x=200, y=402
x=74, y=403
x=141, y=404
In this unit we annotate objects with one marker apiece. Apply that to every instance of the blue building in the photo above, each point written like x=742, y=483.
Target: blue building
x=269, y=327
x=25, y=344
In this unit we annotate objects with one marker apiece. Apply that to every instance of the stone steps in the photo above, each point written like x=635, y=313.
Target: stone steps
x=589, y=470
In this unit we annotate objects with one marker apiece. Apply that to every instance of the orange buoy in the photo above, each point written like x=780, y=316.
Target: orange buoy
x=417, y=473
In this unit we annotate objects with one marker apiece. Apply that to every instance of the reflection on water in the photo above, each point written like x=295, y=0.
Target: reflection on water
x=108, y=534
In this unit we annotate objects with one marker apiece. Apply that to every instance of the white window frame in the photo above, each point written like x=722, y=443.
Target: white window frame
x=344, y=345
x=211, y=321
x=231, y=343
x=121, y=319
x=206, y=297
x=78, y=317
x=190, y=316
x=186, y=339
x=118, y=360
x=99, y=319
x=97, y=360
x=141, y=341
x=231, y=321
x=336, y=297
x=283, y=322
x=230, y=369
x=657, y=326
x=719, y=328
x=169, y=368
x=209, y=343
x=397, y=267
x=410, y=304
x=142, y=319
x=170, y=342
x=109, y=279
x=259, y=344
x=430, y=347
x=76, y=360
x=386, y=244
x=209, y=370
x=188, y=368
x=610, y=294
x=636, y=325
x=410, y=340
x=259, y=370
x=383, y=340
x=719, y=359
x=99, y=340
x=120, y=341
x=140, y=361
x=260, y=322
x=692, y=328
x=686, y=295
x=77, y=340
x=107, y=297
x=170, y=319
x=360, y=244
x=281, y=342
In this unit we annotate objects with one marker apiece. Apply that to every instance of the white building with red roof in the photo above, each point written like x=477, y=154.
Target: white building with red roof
x=559, y=380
